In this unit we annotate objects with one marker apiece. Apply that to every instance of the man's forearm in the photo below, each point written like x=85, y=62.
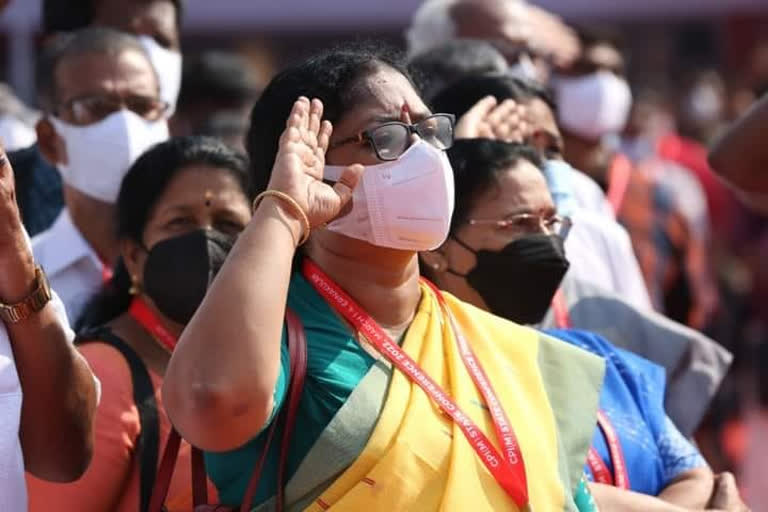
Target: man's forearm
x=59, y=395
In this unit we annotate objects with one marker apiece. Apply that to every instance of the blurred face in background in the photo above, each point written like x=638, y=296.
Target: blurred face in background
x=154, y=18
x=156, y=23
x=594, y=101
x=106, y=111
x=504, y=25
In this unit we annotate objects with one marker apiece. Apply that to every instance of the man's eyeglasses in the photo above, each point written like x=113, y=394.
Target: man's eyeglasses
x=529, y=223
x=390, y=140
x=91, y=109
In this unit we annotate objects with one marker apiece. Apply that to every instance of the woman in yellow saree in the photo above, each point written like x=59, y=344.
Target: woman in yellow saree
x=413, y=400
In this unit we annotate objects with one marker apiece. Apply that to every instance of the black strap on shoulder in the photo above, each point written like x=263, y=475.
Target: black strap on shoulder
x=148, y=442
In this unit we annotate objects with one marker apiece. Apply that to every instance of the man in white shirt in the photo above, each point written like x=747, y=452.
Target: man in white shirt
x=102, y=105
x=49, y=431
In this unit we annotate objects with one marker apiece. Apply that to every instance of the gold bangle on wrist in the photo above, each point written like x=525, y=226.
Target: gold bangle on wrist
x=295, y=207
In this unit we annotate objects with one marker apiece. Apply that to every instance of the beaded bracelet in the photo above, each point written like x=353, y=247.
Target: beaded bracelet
x=297, y=209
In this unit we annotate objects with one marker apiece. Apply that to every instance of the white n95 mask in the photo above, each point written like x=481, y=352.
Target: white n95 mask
x=404, y=204
x=100, y=154
x=167, y=64
x=593, y=105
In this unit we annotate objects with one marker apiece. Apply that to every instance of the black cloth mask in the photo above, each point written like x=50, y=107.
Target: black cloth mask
x=519, y=281
x=179, y=270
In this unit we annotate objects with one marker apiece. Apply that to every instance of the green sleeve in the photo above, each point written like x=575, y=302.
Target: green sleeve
x=583, y=497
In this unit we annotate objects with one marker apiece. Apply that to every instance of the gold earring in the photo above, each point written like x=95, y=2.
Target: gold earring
x=135, y=289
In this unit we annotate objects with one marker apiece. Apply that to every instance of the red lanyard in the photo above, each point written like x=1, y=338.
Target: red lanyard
x=560, y=310
x=149, y=321
x=618, y=175
x=508, y=469
x=620, y=477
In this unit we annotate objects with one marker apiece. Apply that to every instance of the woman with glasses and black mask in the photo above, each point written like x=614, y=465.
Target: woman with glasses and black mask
x=505, y=254
x=179, y=210
x=412, y=400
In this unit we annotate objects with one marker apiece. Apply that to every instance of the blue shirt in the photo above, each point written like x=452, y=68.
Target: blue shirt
x=38, y=189
x=654, y=450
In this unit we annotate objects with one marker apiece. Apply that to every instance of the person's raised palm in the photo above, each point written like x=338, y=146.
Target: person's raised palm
x=298, y=169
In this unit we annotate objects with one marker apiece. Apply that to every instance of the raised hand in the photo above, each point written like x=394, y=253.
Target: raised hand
x=16, y=262
x=300, y=161
x=488, y=119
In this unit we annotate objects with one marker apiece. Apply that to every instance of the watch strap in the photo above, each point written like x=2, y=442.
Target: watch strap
x=34, y=302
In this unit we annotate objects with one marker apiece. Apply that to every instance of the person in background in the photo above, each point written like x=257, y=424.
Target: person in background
x=531, y=39
x=102, y=109
x=740, y=156
x=594, y=102
x=382, y=424
x=48, y=394
x=506, y=249
x=157, y=24
x=218, y=90
x=601, y=248
x=442, y=65
x=180, y=208
x=696, y=364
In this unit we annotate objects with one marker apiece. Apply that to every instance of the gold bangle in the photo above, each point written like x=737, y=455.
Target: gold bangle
x=297, y=209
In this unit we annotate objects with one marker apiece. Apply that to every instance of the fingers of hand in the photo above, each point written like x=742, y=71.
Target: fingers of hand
x=483, y=107
x=315, y=116
x=347, y=182
x=324, y=136
x=502, y=112
x=297, y=111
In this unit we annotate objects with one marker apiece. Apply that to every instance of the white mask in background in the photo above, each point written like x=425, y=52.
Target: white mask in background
x=524, y=68
x=559, y=176
x=703, y=104
x=593, y=105
x=100, y=154
x=15, y=134
x=167, y=64
x=404, y=204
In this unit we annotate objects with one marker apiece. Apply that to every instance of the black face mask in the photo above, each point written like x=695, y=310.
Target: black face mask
x=519, y=281
x=179, y=270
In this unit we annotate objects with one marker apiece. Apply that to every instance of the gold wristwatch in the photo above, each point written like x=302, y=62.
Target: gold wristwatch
x=35, y=301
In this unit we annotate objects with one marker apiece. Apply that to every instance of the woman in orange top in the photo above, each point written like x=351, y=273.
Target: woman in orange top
x=180, y=208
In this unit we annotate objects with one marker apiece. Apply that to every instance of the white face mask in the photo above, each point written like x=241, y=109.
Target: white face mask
x=167, y=64
x=100, y=154
x=404, y=204
x=593, y=105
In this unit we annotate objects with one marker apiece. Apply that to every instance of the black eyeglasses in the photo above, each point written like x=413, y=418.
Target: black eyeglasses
x=390, y=140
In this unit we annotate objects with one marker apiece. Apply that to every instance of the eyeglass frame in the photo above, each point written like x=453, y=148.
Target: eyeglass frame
x=68, y=105
x=365, y=135
x=567, y=222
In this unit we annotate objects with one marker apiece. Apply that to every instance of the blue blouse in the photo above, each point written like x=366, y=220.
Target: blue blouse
x=655, y=451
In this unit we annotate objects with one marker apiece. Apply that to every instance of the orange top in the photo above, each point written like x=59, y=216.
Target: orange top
x=111, y=482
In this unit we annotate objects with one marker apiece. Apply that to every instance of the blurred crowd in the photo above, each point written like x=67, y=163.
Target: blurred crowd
x=657, y=254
